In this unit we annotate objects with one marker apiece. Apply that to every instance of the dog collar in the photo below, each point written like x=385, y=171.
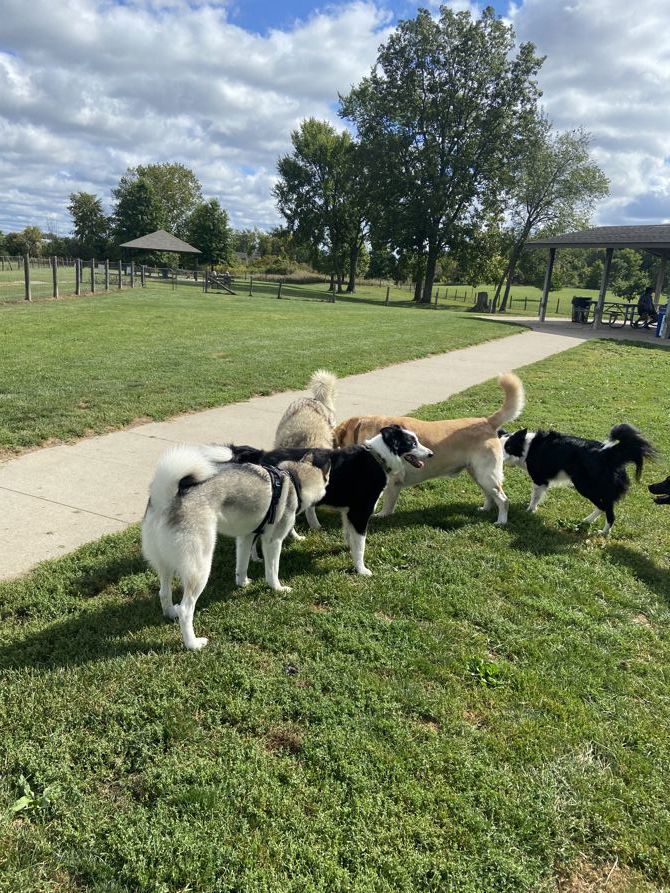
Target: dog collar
x=387, y=469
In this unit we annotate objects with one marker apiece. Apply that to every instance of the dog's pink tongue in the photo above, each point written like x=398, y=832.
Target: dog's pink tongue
x=417, y=463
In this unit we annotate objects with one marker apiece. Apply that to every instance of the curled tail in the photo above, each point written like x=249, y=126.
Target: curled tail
x=629, y=446
x=515, y=399
x=323, y=384
x=182, y=467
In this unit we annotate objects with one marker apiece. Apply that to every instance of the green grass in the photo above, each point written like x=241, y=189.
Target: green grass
x=488, y=712
x=89, y=365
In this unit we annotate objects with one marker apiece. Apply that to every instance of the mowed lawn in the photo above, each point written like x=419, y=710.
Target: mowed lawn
x=489, y=712
x=88, y=365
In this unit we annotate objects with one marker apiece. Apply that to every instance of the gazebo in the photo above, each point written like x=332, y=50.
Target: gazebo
x=161, y=241
x=653, y=239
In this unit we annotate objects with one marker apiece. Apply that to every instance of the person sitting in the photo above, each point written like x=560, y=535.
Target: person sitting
x=645, y=307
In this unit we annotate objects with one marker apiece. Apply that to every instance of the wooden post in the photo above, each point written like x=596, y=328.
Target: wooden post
x=26, y=276
x=92, y=275
x=598, y=315
x=132, y=274
x=388, y=289
x=206, y=281
x=54, y=274
x=279, y=290
x=547, y=285
x=120, y=273
x=251, y=286
x=77, y=276
x=437, y=295
x=142, y=269
x=107, y=274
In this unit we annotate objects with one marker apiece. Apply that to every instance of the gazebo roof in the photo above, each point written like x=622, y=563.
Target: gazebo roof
x=161, y=241
x=654, y=239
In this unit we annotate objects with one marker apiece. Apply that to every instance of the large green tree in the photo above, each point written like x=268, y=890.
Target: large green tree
x=28, y=241
x=91, y=224
x=176, y=189
x=554, y=187
x=315, y=193
x=137, y=211
x=207, y=229
x=437, y=117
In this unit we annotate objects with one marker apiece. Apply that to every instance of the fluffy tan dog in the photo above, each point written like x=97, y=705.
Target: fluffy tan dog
x=472, y=445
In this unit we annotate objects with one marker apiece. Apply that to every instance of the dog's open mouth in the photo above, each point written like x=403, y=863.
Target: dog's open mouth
x=417, y=463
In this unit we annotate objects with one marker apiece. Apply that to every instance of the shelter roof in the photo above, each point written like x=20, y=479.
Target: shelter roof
x=161, y=241
x=653, y=238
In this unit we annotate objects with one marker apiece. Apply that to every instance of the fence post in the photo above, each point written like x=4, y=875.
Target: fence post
x=437, y=295
x=107, y=274
x=54, y=274
x=132, y=274
x=206, y=281
x=279, y=290
x=558, y=301
x=26, y=276
x=120, y=273
x=92, y=275
x=251, y=286
x=77, y=276
x=142, y=269
x=388, y=289
x=525, y=303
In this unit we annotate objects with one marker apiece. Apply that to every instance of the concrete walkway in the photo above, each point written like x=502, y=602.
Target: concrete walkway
x=58, y=498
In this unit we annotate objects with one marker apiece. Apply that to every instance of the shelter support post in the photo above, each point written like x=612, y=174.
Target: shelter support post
x=598, y=315
x=660, y=281
x=54, y=275
x=547, y=284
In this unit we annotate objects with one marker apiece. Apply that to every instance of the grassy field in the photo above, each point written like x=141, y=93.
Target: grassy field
x=88, y=365
x=488, y=712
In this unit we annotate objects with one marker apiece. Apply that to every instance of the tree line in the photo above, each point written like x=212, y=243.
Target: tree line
x=449, y=165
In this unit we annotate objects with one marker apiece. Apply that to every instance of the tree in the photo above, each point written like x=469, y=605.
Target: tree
x=29, y=241
x=207, y=229
x=137, y=211
x=554, y=188
x=91, y=224
x=313, y=193
x=436, y=119
x=627, y=276
x=176, y=189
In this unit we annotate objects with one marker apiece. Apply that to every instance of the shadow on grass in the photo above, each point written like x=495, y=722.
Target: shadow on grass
x=112, y=629
x=529, y=533
x=648, y=572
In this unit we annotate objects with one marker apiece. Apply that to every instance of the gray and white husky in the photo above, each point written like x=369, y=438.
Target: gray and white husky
x=198, y=492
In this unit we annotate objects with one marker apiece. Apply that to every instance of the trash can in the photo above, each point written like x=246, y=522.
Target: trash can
x=661, y=316
x=580, y=309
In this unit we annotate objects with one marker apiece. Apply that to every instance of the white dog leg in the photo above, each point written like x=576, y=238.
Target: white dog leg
x=502, y=502
x=255, y=555
x=165, y=595
x=271, y=553
x=312, y=519
x=356, y=543
x=243, y=546
x=295, y=535
x=488, y=503
x=192, y=590
x=539, y=492
x=589, y=519
x=391, y=494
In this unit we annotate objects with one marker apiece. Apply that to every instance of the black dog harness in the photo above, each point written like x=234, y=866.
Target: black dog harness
x=277, y=476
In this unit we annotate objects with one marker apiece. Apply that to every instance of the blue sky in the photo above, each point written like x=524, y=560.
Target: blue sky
x=262, y=15
x=89, y=88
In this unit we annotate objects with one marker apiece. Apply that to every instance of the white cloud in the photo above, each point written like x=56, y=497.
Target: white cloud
x=608, y=70
x=91, y=87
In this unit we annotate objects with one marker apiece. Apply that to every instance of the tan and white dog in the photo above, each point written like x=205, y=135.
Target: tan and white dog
x=470, y=444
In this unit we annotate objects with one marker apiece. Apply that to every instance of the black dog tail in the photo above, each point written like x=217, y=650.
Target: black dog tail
x=630, y=446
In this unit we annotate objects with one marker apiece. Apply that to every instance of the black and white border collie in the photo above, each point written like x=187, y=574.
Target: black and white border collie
x=661, y=491
x=596, y=470
x=358, y=475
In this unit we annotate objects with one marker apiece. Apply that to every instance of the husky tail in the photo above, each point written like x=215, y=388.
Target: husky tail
x=515, y=399
x=323, y=384
x=182, y=467
x=629, y=446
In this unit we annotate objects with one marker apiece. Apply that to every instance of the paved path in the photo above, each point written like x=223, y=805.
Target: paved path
x=58, y=498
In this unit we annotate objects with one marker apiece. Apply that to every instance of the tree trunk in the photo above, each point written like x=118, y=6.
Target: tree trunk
x=510, y=274
x=353, y=260
x=418, y=277
x=332, y=281
x=431, y=264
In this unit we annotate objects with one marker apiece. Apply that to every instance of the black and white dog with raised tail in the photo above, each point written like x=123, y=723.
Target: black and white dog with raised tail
x=358, y=475
x=596, y=470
